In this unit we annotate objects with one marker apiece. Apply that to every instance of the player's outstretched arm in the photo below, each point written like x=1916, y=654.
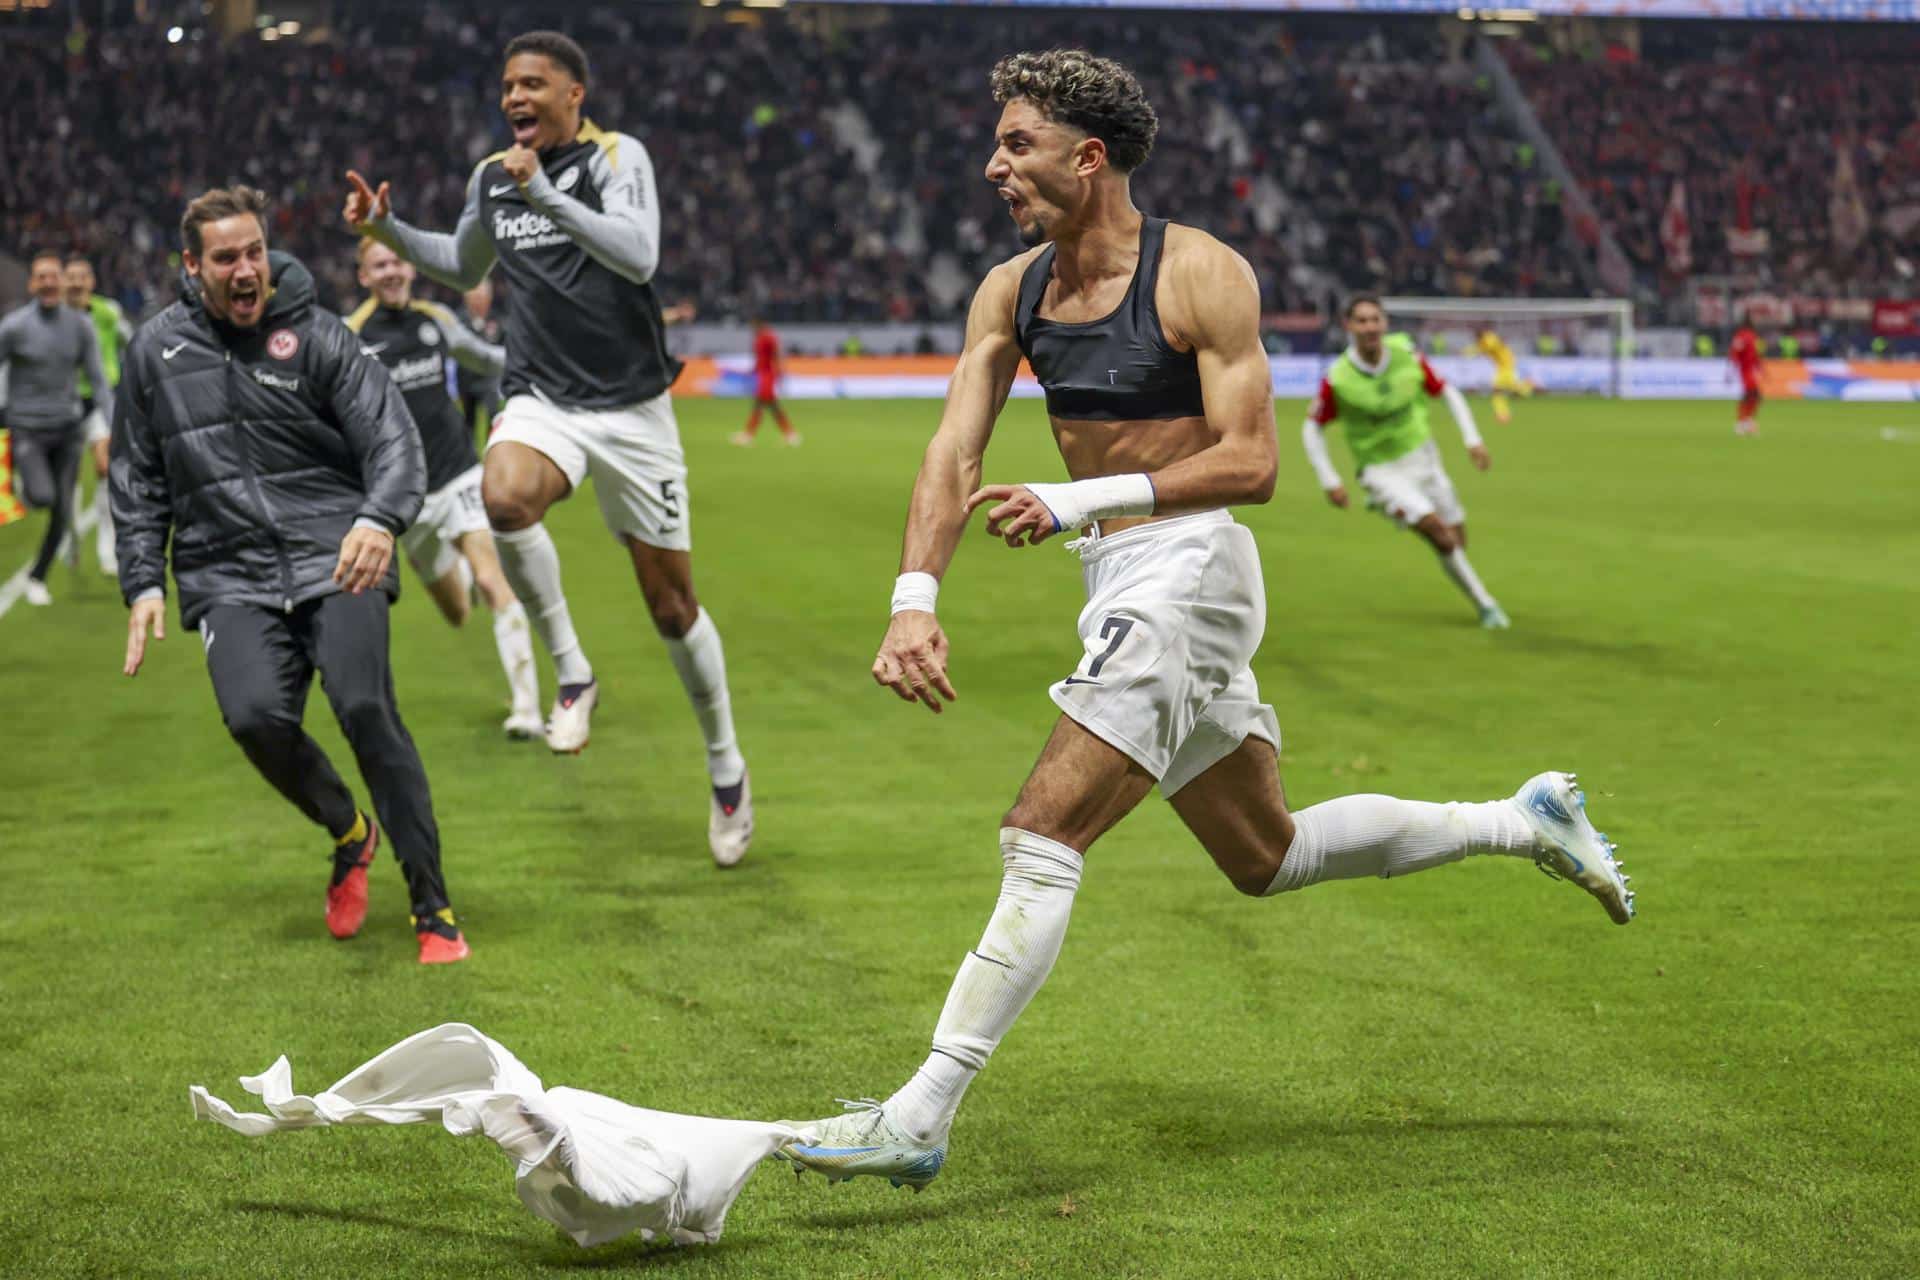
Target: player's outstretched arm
x=913, y=656
x=468, y=349
x=624, y=236
x=1313, y=438
x=460, y=260
x=1462, y=415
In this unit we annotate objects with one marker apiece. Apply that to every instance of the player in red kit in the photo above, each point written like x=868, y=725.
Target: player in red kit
x=1745, y=354
x=766, y=378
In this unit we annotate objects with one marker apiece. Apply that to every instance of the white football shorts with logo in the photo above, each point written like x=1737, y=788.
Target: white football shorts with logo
x=95, y=427
x=633, y=455
x=450, y=512
x=1413, y=487
x=1175, y=610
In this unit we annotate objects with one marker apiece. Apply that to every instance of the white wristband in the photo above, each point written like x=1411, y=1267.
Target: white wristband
x=915, y=591
x=1101, y=498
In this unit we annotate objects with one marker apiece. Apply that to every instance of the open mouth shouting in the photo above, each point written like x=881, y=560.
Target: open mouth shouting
x=243, y=301
x=525, y=124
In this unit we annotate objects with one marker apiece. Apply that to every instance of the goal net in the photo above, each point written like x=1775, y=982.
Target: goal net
x=1563, y=344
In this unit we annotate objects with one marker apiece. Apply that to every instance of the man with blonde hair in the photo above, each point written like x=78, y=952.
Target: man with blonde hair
x=449, y=544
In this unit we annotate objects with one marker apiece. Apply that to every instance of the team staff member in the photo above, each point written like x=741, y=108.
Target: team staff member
x=280, y=458
x=43, y=344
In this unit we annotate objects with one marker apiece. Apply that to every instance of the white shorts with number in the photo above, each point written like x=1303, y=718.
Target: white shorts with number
x=1175, y=610
x=633, y=454
x=95, y=428
x=1413, y=487
x=451, y=511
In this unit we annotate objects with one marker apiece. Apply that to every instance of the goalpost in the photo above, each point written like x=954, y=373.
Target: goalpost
x=1597, y=329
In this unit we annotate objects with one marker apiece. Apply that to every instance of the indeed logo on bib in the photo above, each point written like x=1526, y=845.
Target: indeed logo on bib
x=422, y=371
x=526, y=230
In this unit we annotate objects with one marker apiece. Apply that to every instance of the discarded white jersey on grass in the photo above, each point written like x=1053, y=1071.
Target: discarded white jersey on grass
x=594, y=1167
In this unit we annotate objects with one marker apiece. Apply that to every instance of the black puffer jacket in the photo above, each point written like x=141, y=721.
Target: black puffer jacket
x=257, y=449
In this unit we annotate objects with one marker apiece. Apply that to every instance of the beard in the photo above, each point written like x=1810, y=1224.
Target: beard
x=1034, y=233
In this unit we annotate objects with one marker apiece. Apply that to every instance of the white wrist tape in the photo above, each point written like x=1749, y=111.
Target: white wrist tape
x=1101, y=498
x=916, y=591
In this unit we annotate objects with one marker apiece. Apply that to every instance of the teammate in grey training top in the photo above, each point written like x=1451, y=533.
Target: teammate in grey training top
x=43, y=345
x=571, y=215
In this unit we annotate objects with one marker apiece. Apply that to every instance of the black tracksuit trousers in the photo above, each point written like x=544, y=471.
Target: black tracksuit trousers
x=262, y=662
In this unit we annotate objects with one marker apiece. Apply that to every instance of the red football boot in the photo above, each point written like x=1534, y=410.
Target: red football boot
x=441, y=941
x=347, y=894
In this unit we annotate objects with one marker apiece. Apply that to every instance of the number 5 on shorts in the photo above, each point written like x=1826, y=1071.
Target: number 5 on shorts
x=1113, y=631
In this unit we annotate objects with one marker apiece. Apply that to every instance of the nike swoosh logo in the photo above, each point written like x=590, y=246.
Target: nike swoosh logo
x=168, y=353
x=1078, y=680
x=496, y=192
x=373, y=348
x=836, y=1151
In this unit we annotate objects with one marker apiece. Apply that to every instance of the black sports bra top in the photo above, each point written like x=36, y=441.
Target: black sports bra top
x=1116, y=369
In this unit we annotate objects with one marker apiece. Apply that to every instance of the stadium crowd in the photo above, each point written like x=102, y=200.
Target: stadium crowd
x=807, y=170
x=1825, y=120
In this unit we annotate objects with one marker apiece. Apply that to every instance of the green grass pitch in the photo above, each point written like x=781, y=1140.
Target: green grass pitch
x=1470, y=1073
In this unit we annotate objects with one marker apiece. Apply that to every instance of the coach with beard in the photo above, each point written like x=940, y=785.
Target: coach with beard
x=252, y=429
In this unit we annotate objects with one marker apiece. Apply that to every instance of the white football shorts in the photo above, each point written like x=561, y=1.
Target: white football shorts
x=451, y=511
x=1413, y=487
x=633, y=454
x=1175, y=610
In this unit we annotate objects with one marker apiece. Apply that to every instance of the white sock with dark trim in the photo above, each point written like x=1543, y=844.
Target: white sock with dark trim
x=702, y=665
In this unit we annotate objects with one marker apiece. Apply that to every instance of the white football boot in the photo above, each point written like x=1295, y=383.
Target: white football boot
x=730, y=822
x=523, y=723
x=863, y=1141
x=1567, y=847
x=571, y=723
x=35, y=593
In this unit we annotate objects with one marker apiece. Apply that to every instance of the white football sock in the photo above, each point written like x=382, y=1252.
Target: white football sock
x=1374, y=835
x=702, y=665
x=103, y=544
x=995, y=981
x=1455, y=563
x=532, y=567
x=514, y=639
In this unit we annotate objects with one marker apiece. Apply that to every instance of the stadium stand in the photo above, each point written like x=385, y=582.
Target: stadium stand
x=801, y=163
x=1797, y=106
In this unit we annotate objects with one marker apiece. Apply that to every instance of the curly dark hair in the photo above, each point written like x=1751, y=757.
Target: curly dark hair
x=1095, y=95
